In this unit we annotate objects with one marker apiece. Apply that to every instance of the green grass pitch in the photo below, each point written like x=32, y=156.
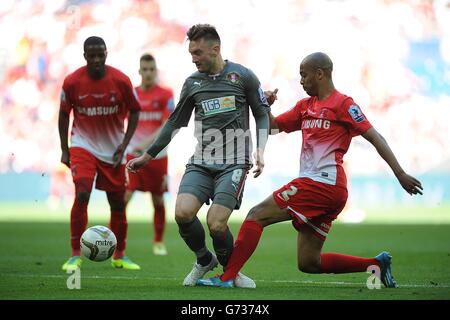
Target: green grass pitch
x=31, y=255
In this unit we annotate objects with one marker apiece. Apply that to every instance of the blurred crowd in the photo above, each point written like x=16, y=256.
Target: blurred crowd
x=392, y=57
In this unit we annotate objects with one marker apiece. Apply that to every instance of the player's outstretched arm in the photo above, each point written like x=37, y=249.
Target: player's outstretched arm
x=137, y=163
x=63, y=127
x=409, y=183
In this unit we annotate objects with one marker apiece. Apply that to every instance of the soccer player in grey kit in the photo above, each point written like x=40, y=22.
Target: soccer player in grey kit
x=220, y=93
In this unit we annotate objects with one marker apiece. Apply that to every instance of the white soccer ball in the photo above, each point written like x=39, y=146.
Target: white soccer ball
x=98, y=243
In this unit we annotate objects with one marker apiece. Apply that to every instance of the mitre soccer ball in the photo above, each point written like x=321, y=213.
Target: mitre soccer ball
x=98, y=243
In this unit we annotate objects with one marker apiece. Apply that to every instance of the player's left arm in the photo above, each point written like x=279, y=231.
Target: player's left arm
x=64, y=122
x=409, y=183
x=133, y=118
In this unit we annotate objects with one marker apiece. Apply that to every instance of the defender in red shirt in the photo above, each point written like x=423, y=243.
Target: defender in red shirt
x=101, y=98
x=156, y=105
x=328, y=120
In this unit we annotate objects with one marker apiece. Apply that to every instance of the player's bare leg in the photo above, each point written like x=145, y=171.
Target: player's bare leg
x=309, y=247
x=159, y=224
x=192, y=232
x=311, y=260
x=267, y=213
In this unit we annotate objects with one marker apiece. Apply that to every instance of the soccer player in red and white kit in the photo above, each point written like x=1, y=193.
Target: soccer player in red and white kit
x=101, y=98
x=156, y=105
x=328, y=120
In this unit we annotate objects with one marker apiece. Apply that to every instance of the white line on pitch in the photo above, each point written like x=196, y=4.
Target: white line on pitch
x=410, y=285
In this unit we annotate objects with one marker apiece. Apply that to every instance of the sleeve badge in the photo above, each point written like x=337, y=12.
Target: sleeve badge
x=356, y=113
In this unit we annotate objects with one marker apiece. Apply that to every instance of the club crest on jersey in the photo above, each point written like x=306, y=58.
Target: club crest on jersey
x=324, y=113
x=356, y=113
x=113, y=96
x=233, y=77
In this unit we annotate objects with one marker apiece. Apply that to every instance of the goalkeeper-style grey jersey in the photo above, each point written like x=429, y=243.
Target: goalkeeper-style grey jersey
x=221, y=103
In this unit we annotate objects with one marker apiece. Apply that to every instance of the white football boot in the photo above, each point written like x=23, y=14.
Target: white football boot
x=242, y=281
x=198, y=271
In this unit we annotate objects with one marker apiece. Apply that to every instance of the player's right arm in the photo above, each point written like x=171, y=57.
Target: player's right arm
x=63, y=127
x=288, y=122
x=179, y=118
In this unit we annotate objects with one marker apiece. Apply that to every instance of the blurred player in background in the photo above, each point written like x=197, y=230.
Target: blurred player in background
x=101, y=98
x=156, y=105
x=328, y=120
x=220, y=94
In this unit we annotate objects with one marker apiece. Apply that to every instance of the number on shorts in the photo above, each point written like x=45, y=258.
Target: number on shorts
x=237, y=175
x=286, y=193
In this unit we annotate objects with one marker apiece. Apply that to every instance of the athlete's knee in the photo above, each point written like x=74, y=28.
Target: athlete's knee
x=217, y=227
x=186, y=208
x=184, y=214
x=257, y=213
x=82, y=197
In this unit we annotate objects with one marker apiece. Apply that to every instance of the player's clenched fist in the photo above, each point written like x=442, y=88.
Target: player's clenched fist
x=137, y=163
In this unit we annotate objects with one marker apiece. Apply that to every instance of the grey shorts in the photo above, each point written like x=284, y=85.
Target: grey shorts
x=222, y=186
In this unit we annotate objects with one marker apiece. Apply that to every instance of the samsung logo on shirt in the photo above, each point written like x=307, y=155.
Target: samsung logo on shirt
x=316, y=123
x=99, y=111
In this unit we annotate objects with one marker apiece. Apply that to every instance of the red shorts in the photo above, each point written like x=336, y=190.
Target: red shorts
x=85, y=166
x=151, y=178
x=311, y=204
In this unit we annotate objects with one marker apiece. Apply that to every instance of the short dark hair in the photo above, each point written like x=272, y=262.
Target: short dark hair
x=93, y=41
x=203, y=31
x=147, y=57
